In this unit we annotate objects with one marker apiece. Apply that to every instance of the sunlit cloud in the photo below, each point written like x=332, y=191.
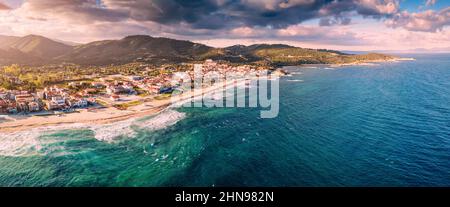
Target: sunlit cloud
x=427, y=21
x=430, y=2
x=4, y=6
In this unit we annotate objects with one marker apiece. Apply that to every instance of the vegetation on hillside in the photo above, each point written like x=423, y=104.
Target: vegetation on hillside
x=32, y=50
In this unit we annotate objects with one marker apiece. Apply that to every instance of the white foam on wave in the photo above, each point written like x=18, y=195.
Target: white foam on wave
x=310, y=67
x=161, y=121
x=29, y=143
x=109, y=132
x=296, y=73
x=24, y=143
x=17, y=143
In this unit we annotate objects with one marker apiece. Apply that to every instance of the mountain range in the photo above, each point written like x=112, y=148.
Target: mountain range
x=39, y=50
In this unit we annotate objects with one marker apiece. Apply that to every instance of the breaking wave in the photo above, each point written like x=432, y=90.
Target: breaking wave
x=30, y=143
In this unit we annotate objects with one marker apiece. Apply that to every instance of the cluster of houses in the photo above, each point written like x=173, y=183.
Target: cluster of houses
x=165, y=82
x=120, y=87
x=49, y=99
x=18, y=101
x=224, y=69
x=83, y=94
x=56, y=98
x=156, y=85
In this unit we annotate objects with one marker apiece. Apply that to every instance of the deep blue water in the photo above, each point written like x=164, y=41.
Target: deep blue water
x=384, y=125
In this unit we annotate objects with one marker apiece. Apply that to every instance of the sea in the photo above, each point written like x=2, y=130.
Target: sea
x=386, y=124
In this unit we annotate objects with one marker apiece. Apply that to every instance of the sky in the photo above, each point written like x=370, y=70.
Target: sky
x=332, y=24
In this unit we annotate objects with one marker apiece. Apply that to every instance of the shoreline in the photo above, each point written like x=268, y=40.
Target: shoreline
x=15, y=123
x=360, y=63
x=102, y=116
x=372, y=62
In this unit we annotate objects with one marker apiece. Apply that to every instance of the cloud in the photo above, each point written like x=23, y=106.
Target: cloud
x=338, y=20
x=335, y=36
x=430, y=2
x=75, y=11
x=210, y=14
x=378, y=7
x=297, y=33
x=4, y=7
x=427, y=21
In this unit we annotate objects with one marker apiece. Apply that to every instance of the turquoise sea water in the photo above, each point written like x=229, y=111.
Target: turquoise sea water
x=383, y=125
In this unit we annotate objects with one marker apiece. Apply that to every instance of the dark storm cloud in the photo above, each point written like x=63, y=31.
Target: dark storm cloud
x=215, y=14
x=72, y=10
x=164, y=11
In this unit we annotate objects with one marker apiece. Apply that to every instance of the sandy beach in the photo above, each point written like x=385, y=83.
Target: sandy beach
x=15, y=123
x=99, y=116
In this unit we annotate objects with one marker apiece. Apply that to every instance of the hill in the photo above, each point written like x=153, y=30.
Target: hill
x=34, y=49
x=283, y=55
x=6, y=41
x=14, y=56
x=30, y=50
x=135, y=48
x=40, y=47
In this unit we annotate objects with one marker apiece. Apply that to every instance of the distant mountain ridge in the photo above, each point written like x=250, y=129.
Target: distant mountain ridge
x=31, y=49
x=134, y=48
x=5, y=41
x=38, y=50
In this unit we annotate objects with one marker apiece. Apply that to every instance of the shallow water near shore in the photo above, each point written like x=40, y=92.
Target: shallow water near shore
x=381, y=125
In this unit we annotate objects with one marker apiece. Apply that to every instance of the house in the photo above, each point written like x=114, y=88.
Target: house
x=154, y=89
x=115, y=89
x=82, y=103
x=129, y=89
x=33, y=106
x=166, y=90
x=41, y=94
x=73, y=84
x=4, y=95
x=97, y=84
x=24, y=97
x=50, y=105
x=22, y=106
x=77, y=103
x=115, y=98
x=3, y=106
x=58, y=101
x=135, y=78
x=91, y=101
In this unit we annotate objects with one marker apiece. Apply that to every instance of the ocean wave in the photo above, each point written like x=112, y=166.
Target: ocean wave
x=109, y=132
x=296, y=73
x=309, y=67
x=31, y=142
x=328, y=68
x=18, y=144
x=25, y=143
x=161, y=121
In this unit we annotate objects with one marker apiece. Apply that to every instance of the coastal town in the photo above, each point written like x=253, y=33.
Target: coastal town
x=117, y=90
